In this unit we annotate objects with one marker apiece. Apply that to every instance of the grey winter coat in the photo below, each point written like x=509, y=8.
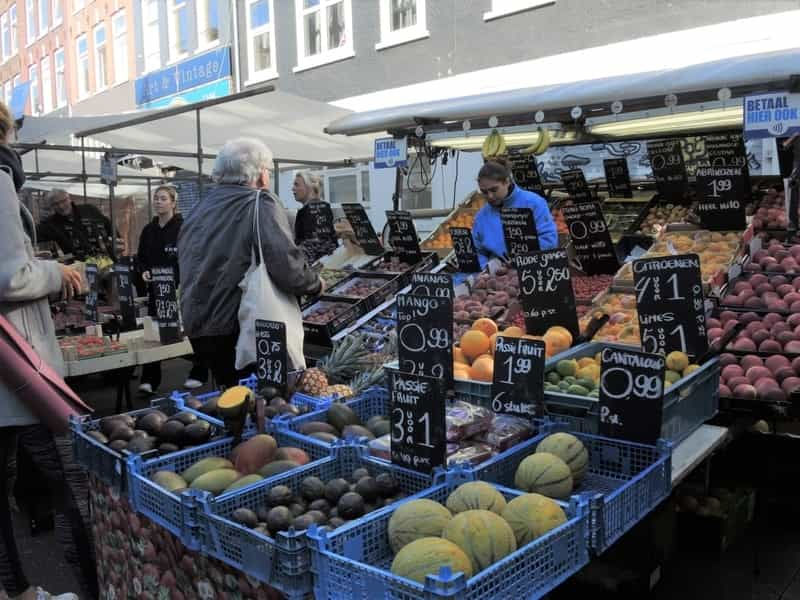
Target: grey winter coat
x=25, y=284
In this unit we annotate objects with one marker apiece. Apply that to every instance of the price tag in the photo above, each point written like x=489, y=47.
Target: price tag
x=91, y=296
x=271, y=355
x=127, y=307
x=363, y=229
x=669, y=170
x=519, y=231
x=723, y=191
x=591, y=239
x=671, y=306
x=631, y=395
x=575, y=183
x=618, y=178
x=464, y=247
x=526, y=172
x=438, y=285
x=417, y=405
x=403, y=236
x=163, y=286
x=425, y=336
x=319, y=220
x=726, y=150
x=545, y=286
x=518, y=381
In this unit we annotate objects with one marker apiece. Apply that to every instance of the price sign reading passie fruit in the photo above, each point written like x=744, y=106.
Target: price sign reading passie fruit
x=403, y=236
x=166, y=301
x=271, y=355
x=526, y=172
x=464, y=247
x=671, y=305
x=519, y=231
x=669, y=170
x=723, y=195
x=91, y=296
x=425, y=336
x=438, y=285
x=631, y=395
x=575, y=183
x=545, y=287
x=518, y=380
x=418, y=434
x=618, y=178
x=363, y=229
x=594, y=250
x=127, y=309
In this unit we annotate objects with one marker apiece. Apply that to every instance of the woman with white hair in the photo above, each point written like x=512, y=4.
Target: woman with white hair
x=214, y=252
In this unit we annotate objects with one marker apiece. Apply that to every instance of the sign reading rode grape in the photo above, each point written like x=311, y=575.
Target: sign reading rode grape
x=418, y=435
x=125, y=294
x=669, y=170
x=403, y=236
x=545, y=287
x=91, y=296
x=618, y=178
x=438, y=285
x=594, y=249
x=670, y=304
x=631, y=395
x=425, y=336
x=464, y=247
x=526, y=172
x=518, y=380
x=519, y=231
x=575, y=183
x=363, y=229
x=271, y=355
x=723, y=192
x=163, y=286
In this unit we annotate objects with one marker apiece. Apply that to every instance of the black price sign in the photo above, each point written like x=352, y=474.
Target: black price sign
x=545, y=286
x=519, y=231
x=320, y=221
x=518, y=381
x=403, y=236
x=618, y=178
x=464, y=247
x=575, y=183
x=425, y=336
x=726, y=150
x=438, y=285
x=526, y=172
x=723, y=192
x=594, y=249
x=671, y=306
x=669, y=170
x=91, y=296
x=127, y=306
x=631, y=395
x=417, y=404
x=163, y=286
x=363, y=229
x=271, y=357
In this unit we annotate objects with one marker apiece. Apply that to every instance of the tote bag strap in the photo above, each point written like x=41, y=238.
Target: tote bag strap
x=257, y=231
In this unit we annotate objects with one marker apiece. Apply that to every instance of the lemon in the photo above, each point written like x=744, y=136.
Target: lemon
x=677, y=361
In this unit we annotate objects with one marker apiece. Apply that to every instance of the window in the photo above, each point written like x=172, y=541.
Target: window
x=47, y=86
x=260, y=40
x=12, y=21
x=78, y=5
x=340, y=186
x=152, y=41
x=416, y=194
x=501, y=8
x=100, y=57
x=7, y=92
x=325, y=28
x=33, y=77
x=207, y=22
x=119, y=29
x=58, y=12
x=178, y=29
x=44, y=16
x=6, y=36
x=401, y=21
x=82, y=64
x=61, y=82
x=30, y=22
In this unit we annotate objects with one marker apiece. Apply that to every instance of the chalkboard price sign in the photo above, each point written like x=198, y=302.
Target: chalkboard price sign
x=403, y=236
x=464, y=247
x=545, y=286
x=575, y=183
x=425, y=336
x=519, y=230
x=127, y=307
x=618, y=178
x=669, y=170
x=363, y=229
x=631, y=395
x=271, y=356
x=726, y=150
x=418, y=434
x=518, y=381
x=319, y=221
x=594, y=250
x=670, y=304
x=723, y=192
x=526, y=172
x=91, y=296
x=438, y=285
x=166, y=302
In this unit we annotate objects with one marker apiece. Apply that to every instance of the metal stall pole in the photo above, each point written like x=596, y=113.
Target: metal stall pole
x=113, y=225
x=199, y=156
x=83, y=167
x=149, y=201
x=277, y=178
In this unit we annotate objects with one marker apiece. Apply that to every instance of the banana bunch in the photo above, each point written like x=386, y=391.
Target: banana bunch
x=542, y=144
x=493, y=145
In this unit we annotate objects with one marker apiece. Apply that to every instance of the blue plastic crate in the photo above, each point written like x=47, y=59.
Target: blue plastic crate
x=354, y=561
x=284, y=561
x=178, y=512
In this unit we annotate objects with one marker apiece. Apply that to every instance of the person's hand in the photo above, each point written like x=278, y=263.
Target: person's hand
x=70, y=282
x=146, y=276
x=321, y=285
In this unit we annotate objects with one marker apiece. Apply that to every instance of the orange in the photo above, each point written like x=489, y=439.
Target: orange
x=563, y=331
x=485, y=325
x=492, y=343
x=482, y=369
x=458, y=356
x=461, y=371
x=487, y=355
x=556, y=342
x=474, y=343
x=513, y=331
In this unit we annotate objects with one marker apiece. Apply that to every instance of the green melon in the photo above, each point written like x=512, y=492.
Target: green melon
x=426, y=556
x=569, y=449
x=476, y=495
x=544, y=473
x=416, y=519
x=531, y=516
x=483, y=536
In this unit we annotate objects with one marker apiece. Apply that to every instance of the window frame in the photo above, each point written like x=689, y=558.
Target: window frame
x=103, y=47
x=58, y=15
x=8, y=88
x=202, y=25
x=46, y=85
x=46, y=4
x=63, y=87
x=412, y=33
x=35, y=89
x=121, y=75
x=359, y=171
x=5, y=26
x=254, y=76
x=324, y=57
x=503, y=8
x=78, y=5
x=82, y=93
x=151, y=41
x=171, y=20
x=30, y=21
x=13, y=25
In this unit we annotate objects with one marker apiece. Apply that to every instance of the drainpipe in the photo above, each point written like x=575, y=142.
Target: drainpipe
x=235, y=50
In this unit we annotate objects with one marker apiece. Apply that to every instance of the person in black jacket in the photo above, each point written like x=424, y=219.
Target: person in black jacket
x=158, y=247
x=78, y=230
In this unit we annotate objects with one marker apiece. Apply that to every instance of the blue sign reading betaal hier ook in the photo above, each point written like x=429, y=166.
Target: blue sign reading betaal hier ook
x=390, y=153
x=772, y=115
x=191, y=73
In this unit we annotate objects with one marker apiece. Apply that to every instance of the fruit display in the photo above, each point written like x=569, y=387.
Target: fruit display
x=350, y=368
x=771, y=212
x=586, y=287
x=332, y=276
x=324, y=311
x=556, y=467
x=623, y=323
x=440, y=239
x=766, y=333
x=620, y=217
x=753, y=377
x=80, y=347
x=391, y=264
x=359, y=287
x=759, y=292
x=494, y=145
x=490, y=295
x=660, y=215
x=341, y=422
x=776, y=258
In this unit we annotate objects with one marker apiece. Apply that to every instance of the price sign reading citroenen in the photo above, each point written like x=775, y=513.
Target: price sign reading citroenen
x=425, y=336
x=271, y=355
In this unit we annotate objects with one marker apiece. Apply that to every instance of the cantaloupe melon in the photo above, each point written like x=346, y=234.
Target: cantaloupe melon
x=544, y=473
x=416, y=519
x=483, y=536
x=476, y=495
x=426, y=556
x=531, y=516
x=569, y=449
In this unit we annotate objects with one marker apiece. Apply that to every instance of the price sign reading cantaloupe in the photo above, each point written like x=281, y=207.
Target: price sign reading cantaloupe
x=518, y=382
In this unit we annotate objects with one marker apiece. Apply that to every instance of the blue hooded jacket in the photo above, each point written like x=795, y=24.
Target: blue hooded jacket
x=487, y=229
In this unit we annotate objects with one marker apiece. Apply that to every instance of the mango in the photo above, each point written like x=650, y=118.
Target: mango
x=203, y=466
x=566, y=367
x=216, y=481
x=168, y=480
x=577, y=390
x=244, y=481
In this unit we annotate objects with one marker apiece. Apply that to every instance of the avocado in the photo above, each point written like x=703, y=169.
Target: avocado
x=358, y=474
x=297, y=508
x=109, y=424
x=279, y=519
x=269, y=392
x=328, y=438
x=316, y=427
x=197, y=433
x=98, y=437
x=246, y=517
x=276, y=467
x=186, y=418
x=367, y=488
x=318, y=516
x=172, y=432
x=335, y=489
x=380, y=428
x=350, y=506
x=280, y=495
x=357, y=431
x=312, y=488
x=121, y=432
x=336, y=522
x=140, y=445
x=321, y=505
x=210, y=407
x=118, y=445
x=193, y=403
x=152, y=422
x=166, y=448
x=277, y=402
x=303, y=522
x=387, y=485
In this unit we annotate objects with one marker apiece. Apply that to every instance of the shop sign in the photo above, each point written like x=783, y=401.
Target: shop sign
x=191, y=73
x=390, y=153
x=772, y=115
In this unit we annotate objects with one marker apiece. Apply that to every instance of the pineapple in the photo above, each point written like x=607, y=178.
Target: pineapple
x=341, y=390
x=347, y=359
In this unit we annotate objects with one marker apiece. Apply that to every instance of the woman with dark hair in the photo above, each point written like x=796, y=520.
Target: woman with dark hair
x=496, y=183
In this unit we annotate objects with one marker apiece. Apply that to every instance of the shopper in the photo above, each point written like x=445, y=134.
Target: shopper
x=215, y=247
x=158, y=247
x=25, y=284
x=78, y=230
x=495, y=182
x=307, y=188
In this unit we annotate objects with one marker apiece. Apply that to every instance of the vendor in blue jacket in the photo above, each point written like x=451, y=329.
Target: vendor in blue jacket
x=495, y=182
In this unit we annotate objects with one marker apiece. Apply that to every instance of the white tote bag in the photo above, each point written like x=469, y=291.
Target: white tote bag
x=262, y=300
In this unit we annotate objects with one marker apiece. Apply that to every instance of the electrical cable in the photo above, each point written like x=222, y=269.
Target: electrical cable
x=457, y=155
